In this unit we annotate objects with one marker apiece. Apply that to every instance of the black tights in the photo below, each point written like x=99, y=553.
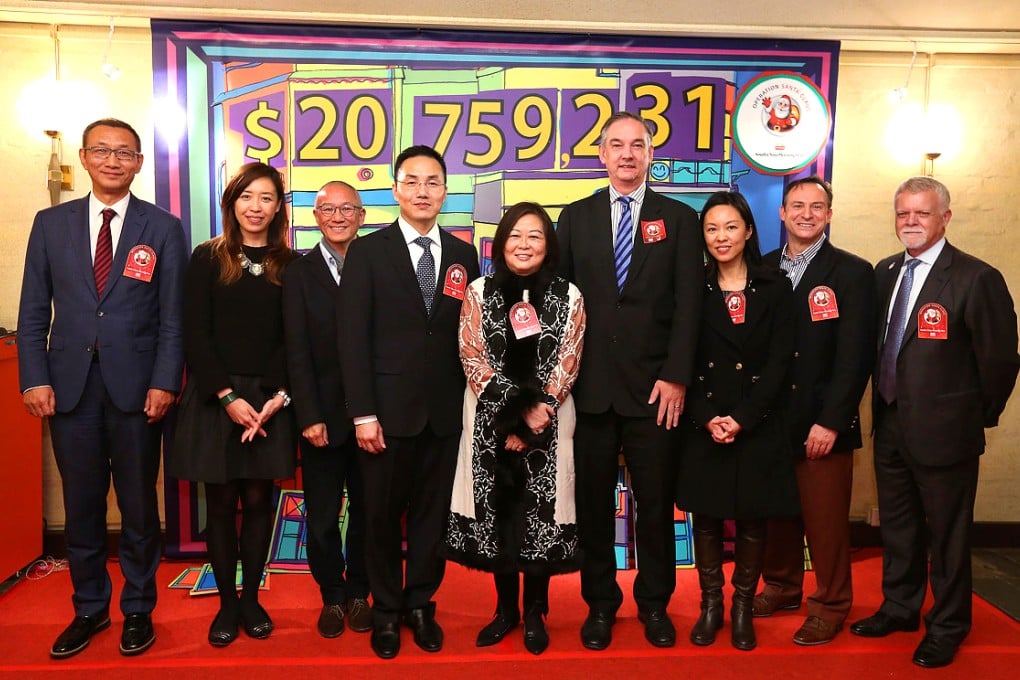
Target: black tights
x=256, y=497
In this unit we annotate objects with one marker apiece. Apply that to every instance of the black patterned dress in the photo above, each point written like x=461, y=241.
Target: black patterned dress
x=514, y=511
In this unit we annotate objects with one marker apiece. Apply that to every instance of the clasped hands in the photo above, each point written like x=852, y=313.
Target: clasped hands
x=537, y=418
x=245, y=415
x=723, y=429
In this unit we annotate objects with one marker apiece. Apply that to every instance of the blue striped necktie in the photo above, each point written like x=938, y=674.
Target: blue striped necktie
x=624, y=241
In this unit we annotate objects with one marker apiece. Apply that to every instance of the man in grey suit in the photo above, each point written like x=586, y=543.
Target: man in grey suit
x=100, y=354
x=947, y=349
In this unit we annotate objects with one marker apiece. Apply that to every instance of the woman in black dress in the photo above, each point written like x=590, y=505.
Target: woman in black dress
x=735, y=461
x=233, y=433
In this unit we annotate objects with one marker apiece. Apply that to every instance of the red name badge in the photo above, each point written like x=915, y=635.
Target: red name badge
x=822, y=303
x=524, y=320
x=736, y=305
x=933, y=322
x=141, y=263
x=653, y=231
x=456, y=281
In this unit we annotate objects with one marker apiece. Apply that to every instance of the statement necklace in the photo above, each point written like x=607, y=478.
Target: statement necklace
x=253, y=268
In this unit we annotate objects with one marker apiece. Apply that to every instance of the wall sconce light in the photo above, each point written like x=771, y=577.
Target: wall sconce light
x=898, y=94
x=929, y=165
x=58, y=177
x=110, y=70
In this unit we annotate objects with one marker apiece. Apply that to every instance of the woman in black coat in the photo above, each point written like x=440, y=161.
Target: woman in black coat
x=735, y=460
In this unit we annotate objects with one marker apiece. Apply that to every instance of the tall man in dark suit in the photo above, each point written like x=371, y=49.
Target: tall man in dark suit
x=835, y=293
x=947, y=365
x=637, y=258
x=328, y=447
x=104, y=280
x=398, y=314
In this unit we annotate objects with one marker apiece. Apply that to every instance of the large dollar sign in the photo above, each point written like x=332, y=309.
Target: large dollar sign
x=253, y=124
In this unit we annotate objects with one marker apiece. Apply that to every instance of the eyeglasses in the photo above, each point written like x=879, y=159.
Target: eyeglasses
x=347, y=210
x=102, y=153
x=431, y=185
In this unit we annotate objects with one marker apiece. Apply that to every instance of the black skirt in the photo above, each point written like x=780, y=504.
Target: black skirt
x=207, y=443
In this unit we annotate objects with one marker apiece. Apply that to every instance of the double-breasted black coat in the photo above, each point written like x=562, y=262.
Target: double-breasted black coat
x=740, y=371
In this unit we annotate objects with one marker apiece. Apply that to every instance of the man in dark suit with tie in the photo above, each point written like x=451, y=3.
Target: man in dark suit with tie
x=398, y=315
x=637, y=258
x=104, y=280
x=833, y=359
x=947, y=365
x=328, y=447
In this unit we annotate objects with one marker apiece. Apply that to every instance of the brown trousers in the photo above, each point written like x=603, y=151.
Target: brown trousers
x=825, y=485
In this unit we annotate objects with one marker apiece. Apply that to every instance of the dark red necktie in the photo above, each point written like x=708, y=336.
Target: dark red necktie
x=104, y=252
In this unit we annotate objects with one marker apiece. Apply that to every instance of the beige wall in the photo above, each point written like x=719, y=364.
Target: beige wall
x=982, y=178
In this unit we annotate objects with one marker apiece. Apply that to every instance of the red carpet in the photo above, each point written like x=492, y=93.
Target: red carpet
x=33, y=613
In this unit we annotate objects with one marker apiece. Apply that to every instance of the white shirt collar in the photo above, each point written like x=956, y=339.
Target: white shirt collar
x=120, y=207
x=929, y=256
x=410, y=233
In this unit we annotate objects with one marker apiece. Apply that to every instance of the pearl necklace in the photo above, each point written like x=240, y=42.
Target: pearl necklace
x=253, y=268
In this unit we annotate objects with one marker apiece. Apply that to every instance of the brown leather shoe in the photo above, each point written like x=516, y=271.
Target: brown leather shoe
x=767, y=604
x=816, y=631
x=359, y=614
x=331, y=621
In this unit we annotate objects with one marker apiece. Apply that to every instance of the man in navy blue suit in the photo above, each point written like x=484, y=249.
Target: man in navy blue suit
x=103, y=282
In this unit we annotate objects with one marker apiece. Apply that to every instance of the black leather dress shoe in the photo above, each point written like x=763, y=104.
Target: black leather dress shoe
x=427, y=633
x=386, y=639
x=597, y=630
x=224, y=627
x=137, y=635
x=935, y=652
x=880, y=624
x=497, y=629
x=77, y=635
x=659, y=630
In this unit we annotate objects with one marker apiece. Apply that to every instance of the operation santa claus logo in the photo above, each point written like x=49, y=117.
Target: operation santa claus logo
x=781, y=122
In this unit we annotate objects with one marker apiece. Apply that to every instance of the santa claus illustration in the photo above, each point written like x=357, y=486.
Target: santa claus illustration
x=783, y=114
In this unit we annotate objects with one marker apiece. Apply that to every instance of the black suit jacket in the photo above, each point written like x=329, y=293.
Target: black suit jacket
x=649, y=332
x=833, y=358
x=948, y=391
x=398, y=361
x=310, y=328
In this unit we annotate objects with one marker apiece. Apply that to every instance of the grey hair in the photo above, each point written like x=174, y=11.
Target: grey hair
x=917, y=185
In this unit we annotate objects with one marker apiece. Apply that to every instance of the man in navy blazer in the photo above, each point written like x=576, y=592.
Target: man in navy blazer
x=328, y=447
x=831, y=364
x=398, y=316
x=103, y=283
x=947, y=347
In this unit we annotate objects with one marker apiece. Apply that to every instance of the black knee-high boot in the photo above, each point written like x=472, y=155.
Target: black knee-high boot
x=507, y=613
x=708, y=542
x=536, y=606
x=749, y=553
